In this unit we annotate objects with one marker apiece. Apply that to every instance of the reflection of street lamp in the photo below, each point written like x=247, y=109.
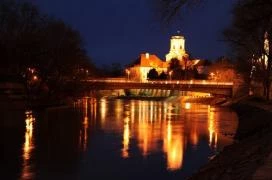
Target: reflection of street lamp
x=128, y=72
x=170, y=75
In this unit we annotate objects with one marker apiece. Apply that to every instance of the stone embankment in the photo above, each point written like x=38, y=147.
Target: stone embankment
x=250, y=157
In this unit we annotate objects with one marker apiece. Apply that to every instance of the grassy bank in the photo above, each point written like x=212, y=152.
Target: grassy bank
x=252, y=146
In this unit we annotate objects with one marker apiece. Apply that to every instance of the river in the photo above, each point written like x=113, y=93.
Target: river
x=114, y=139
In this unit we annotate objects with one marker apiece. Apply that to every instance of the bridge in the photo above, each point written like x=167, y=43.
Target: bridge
x=206, y=86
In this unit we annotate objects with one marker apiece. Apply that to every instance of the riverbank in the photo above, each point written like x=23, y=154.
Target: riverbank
x=206, y=100
x=252, y=147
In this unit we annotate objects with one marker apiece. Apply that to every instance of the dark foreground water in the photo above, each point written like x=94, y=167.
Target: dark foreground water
x=113, y=139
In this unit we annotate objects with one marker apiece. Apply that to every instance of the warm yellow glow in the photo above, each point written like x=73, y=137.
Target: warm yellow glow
x=212, y=75
x=128, y=73
x=143, y=73
x=177, y=48
x=147, y=55
x=170, y=75
x=149, y=130
x=118, y=108
x=84, y=134
x=187, y=105
x=173, y=147
x=28, y=146
x=132, y=111
x=35, y=77
x=144, y=136
x=212, y=128
x=93, y=107
x=152, y=126
x=85, y=107
x=169, y=132
x=194, y=137
x=125, y=152
x=103, y=109
x=151, y=113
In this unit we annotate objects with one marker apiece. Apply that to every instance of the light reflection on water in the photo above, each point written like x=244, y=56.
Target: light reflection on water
x=99, y=135
x=152, y=123
x=28, y=147
x=83, y=137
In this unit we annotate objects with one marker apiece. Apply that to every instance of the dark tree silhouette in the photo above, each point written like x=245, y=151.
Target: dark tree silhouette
x=251, y=23
x=162, y=76
x=152, y=74
x=169, y=9
x=175, y=70
x=174, y=64
x=33, y=45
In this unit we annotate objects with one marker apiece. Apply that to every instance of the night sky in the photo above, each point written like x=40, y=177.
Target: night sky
x=119, y=30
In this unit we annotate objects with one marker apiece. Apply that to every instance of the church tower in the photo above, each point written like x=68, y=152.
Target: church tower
x=177, y=48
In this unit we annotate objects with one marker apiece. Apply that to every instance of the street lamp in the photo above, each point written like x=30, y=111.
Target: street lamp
x=35, y=78
x=212, y=75
x=128, y=72
x=170, y=75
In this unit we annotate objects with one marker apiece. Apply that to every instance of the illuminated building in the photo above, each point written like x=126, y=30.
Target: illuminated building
x=177, y=49
x=139, y=69
x=146, y=62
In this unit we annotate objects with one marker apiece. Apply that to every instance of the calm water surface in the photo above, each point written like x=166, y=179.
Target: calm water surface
x=114, y=139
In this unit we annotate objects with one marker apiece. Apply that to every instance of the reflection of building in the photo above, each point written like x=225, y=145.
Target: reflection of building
x=140, y=68
x=155, y=127
x=173, y=146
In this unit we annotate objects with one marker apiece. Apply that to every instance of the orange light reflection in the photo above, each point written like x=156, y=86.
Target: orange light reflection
x=103, y=109
x=173, y=147
x=28, y=146
x=126, y=134
x=212, y=128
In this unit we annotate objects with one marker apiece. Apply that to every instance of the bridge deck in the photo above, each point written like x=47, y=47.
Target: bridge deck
x=213, y=87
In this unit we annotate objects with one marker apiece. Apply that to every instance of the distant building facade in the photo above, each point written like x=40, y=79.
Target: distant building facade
x=177, y=49
x=139, y=69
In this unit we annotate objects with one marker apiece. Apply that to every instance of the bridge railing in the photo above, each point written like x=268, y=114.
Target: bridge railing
x=195, y=82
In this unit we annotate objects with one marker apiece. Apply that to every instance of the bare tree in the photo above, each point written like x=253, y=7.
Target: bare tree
x=251, y=27
x=32, y=44
x=169, y=9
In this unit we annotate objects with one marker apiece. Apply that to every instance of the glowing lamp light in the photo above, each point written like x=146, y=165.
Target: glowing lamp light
x=128, y=72
x=35, y=78
x=187, y=105
x=212, y=75
x=147, y=55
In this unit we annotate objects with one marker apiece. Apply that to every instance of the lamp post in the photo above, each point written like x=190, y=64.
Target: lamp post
x=170, y=75
x=212, y=75
x=128, y=72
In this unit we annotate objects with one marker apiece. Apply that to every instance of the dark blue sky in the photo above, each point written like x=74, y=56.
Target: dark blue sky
x=119, y=30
